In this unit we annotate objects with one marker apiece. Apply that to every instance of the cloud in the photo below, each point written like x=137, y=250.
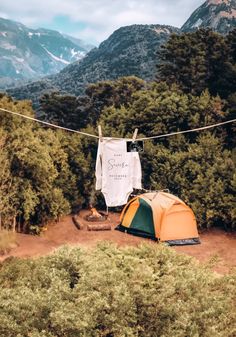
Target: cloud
x=100, y=17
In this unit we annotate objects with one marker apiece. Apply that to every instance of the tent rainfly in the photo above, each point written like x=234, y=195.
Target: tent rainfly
x=160, y=216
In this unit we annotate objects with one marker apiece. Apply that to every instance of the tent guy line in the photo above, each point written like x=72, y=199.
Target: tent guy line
x=94, y=136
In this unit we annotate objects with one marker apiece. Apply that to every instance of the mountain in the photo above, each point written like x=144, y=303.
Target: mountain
x=130, y=50
x=220, y=15
x=80, y=43
x=27, y=54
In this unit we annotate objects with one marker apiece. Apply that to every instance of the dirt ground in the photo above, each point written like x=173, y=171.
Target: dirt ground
x=215, y=243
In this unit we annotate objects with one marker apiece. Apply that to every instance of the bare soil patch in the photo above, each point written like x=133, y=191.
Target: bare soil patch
x=214, y=243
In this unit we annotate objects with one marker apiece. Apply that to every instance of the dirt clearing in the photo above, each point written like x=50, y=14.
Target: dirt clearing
x=213, y=243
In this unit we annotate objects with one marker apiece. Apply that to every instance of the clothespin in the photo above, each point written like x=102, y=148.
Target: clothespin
x=100, y=132
x=135, y=135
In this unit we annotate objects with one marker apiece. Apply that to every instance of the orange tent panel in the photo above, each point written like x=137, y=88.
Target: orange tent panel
x=160, y=216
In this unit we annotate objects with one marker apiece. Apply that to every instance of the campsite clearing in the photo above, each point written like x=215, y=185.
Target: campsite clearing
x=214, y=243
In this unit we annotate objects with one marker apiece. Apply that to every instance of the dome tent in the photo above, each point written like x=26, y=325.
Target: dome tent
x=160, y=216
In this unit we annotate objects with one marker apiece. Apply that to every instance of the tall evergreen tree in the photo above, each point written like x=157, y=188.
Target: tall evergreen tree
x=199, y=60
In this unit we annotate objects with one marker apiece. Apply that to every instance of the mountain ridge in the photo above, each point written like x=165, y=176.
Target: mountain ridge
x=219, y=15
x=129, y=51
x=27, y=53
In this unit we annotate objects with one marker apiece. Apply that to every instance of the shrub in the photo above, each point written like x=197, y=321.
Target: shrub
x=108, y=291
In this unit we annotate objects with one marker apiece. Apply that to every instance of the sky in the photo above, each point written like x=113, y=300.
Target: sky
x=94, y=20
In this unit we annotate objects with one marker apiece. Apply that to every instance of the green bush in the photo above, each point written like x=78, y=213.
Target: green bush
x=195, y=175
x=108, y=291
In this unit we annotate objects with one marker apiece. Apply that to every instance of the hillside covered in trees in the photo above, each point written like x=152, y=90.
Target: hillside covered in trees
x=47, y=173
x=130, y=50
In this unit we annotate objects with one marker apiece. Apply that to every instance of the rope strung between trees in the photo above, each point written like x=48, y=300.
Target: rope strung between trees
x=141, y=139
x=48, y=124
x=188, y=131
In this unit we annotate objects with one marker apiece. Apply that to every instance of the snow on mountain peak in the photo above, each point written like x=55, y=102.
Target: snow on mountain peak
x=43, y=51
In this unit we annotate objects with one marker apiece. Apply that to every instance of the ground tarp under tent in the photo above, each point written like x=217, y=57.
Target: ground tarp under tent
x=160, y=216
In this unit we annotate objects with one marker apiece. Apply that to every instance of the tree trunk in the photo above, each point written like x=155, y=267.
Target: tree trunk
x=19, y=224
x=14, y=224
x=25, y=224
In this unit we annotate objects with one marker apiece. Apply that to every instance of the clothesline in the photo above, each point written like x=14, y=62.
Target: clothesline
x=188, y=131
x=141, y=139
x=48, y=124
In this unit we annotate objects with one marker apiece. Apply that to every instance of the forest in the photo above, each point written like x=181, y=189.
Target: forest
x=47, y=173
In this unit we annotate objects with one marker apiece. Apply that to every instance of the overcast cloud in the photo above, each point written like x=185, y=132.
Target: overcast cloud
x=95, y=20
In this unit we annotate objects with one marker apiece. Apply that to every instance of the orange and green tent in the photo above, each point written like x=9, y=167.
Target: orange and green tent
x=160, y=216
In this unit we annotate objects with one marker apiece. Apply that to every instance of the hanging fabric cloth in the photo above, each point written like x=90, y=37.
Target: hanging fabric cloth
x=118, y=172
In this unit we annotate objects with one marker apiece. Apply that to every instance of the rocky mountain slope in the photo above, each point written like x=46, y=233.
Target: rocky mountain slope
x=27, y=54
x=130, y=50
x=220, y=15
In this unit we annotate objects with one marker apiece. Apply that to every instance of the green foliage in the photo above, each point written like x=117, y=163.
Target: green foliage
x=78, y=112
x=200, y=60
x=195, y=175
x=160, y=109
x=112, y=93
x=147, y=291
x=63, y=110
x=196, y=167
x=33, y=163
x=6, y=191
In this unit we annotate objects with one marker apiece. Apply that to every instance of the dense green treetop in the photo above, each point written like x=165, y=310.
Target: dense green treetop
x=200, y=60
